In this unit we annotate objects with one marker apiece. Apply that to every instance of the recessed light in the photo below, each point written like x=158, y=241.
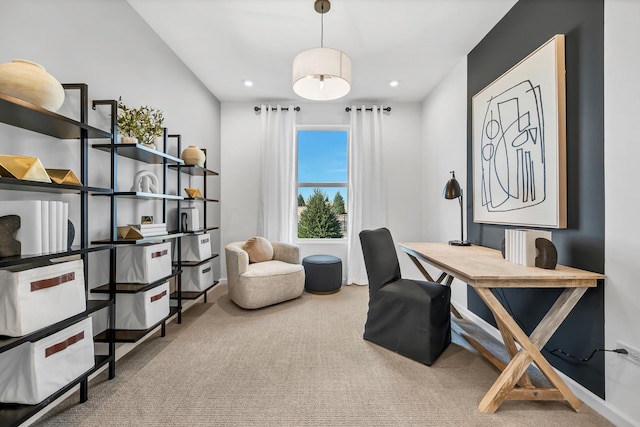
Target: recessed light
x=247, y=83
x=394, y=83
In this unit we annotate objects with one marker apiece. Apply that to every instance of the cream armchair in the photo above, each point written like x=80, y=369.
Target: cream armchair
x=259, y=284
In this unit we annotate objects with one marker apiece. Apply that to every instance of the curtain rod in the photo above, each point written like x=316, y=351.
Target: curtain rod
x=388, y=109
x=256, y=108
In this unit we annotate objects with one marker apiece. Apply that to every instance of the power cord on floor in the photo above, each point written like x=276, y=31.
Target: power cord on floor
x=505, y=302
x=586, y=359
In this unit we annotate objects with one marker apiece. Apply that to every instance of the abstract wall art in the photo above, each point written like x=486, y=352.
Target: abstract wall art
x=519, y=164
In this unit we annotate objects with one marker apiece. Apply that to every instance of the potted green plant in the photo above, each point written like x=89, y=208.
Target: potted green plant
x=142, y=124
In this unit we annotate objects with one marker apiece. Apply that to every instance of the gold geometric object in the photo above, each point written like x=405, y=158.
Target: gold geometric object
x=194, y=193
x=23, y=167
x=129, y=232
x=63, y=176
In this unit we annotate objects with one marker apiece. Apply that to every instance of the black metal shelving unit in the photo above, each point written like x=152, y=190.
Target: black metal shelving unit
x=199, y=171
x=148, y=155
x=134, y=335
x=21, y=114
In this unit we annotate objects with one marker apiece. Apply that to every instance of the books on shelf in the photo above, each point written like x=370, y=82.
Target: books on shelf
x=520, y=245
x=150, y=230
x=43, y=224
x=150, y=226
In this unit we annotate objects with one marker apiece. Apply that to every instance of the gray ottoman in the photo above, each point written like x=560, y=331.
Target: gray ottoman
x=323, y=274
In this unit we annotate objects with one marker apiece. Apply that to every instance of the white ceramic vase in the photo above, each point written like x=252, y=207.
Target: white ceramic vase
x=193, y=155
x=30, y=82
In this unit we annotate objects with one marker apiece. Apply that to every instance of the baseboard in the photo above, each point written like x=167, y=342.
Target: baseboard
x=602, y=407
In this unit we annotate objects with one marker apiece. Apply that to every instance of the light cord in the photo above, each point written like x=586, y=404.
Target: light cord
x=322, y=26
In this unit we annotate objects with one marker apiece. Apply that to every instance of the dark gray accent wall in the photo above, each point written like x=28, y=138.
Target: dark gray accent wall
x=528, y=25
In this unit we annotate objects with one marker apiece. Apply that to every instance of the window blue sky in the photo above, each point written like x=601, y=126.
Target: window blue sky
x=322, y=158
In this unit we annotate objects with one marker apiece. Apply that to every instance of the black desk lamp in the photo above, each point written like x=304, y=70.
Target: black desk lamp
x=453, y=191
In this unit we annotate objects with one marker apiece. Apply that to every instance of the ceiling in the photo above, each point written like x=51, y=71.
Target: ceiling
x=415, y=42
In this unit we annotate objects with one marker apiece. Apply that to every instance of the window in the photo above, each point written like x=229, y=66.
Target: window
x=322, y=183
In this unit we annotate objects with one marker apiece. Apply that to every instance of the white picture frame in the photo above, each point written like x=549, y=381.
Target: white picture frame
x=519, y=143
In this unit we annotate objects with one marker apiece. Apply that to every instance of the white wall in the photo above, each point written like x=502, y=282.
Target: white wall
x=622, y=238
x=240, y=156
x=444, y=139
x=108, y=46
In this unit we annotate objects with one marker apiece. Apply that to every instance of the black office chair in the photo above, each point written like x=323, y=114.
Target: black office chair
x=410, y=317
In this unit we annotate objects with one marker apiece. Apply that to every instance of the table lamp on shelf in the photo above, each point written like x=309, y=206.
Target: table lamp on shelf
x=452, y=190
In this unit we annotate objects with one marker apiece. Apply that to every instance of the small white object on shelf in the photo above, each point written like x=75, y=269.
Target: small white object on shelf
x=150, y=230
x=146, y=182
x=31, y=372
x=190, y=218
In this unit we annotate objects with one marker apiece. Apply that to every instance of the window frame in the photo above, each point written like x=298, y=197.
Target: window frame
x=328, y=128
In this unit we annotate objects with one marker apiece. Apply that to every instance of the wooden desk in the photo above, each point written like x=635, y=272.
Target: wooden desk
x=485, y=269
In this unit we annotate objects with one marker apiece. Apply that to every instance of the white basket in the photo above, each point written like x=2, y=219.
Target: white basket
x=198, y=278
x=144, y=263
x=33, y=298
x=196, y=247
x=31, y=372
x=142, y=310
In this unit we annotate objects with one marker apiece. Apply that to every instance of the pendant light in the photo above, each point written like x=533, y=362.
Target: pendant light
x=321, y=74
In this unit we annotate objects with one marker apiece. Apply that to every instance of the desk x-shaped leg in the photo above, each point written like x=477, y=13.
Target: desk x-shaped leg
x=504, y=387
x=515, y=372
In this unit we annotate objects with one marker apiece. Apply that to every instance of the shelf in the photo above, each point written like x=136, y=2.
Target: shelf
x=193, y=295
x=142, y=195
x=199, y=199
x=28, y=259
x=204, y=230
x=194, y=170
x=16, y=414
x=23, y=185
x=196, y=263
x=139, y=152
x=132, y=288
x=151, y=239
x=94, y=305
x=7, y=343
x=25, y=115
x=134, y=335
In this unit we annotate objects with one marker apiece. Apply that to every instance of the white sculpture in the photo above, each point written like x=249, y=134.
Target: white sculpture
x=146, y=182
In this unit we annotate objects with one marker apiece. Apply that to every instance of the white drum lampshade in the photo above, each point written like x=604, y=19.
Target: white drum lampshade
x=321, y=74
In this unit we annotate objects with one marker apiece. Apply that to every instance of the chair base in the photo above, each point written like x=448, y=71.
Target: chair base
x=411, y=318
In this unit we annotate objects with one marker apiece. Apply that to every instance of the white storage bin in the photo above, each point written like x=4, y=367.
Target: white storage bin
x=31, y=372
x=143, y=263
x=33, y=298
x=198, y=278
x=142, y=310
x=196, y=247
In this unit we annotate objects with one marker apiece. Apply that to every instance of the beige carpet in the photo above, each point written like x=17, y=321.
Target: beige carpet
x=300, y=363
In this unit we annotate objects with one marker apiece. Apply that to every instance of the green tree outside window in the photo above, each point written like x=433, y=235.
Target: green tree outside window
x=318, y=221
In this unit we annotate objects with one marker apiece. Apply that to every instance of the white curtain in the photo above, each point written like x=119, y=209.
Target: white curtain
x=277, y=208
x=366, y=198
